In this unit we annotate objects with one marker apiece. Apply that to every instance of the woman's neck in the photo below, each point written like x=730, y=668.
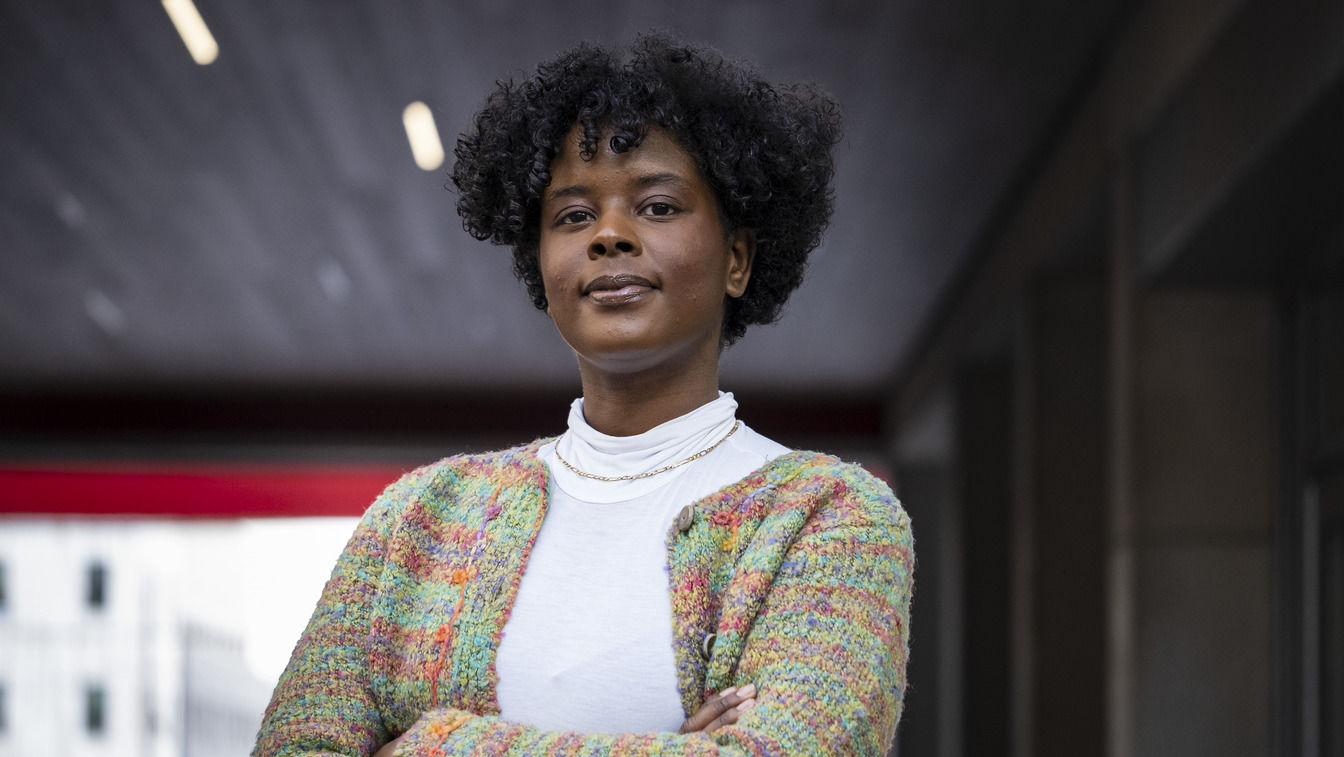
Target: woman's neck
x=632, y=404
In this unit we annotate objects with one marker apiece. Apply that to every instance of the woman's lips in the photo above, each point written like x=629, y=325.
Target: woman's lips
x=617, y=290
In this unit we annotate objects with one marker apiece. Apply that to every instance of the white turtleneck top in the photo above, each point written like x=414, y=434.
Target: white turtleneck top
x=588, y=645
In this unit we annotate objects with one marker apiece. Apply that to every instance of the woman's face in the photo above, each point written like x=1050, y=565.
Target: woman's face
x=635, y=260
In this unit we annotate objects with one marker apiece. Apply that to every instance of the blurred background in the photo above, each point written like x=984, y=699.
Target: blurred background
x=1081, y=302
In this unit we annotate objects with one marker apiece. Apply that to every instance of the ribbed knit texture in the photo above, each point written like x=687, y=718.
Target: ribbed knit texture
x=803, y=570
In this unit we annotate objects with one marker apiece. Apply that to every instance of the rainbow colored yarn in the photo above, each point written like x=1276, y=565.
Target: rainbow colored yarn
x=800, y=574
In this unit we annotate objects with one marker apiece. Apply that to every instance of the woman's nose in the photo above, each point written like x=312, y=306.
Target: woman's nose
x=612, y=237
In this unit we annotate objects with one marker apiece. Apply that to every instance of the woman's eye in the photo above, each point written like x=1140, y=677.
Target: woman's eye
x=575, y=216
x=659, y=209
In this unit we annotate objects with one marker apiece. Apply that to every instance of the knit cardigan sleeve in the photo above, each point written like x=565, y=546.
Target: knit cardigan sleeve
x=323, y=703
x=810, y=602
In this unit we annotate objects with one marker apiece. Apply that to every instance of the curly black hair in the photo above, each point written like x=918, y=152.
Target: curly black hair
x=765, y=151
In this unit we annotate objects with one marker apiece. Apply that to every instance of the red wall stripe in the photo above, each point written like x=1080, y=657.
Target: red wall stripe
x=192, y=490
x=200, y=490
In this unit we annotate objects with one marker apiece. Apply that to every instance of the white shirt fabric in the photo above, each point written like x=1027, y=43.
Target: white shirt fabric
x=588, y=645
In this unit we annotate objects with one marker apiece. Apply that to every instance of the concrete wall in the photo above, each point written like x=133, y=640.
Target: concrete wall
x=1204, y=481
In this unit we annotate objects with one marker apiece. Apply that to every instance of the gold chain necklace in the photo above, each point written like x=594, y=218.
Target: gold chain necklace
x=646, y=474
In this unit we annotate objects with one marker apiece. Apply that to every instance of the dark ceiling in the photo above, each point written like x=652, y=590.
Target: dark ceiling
x=259, y=222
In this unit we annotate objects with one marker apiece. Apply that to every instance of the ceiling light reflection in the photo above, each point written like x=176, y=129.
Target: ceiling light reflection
x=191, y=27
x=423, y=135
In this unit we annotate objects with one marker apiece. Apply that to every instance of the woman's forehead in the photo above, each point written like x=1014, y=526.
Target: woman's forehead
x=657, y=147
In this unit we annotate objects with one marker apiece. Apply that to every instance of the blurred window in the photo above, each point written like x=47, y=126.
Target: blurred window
x=95, y=715
x=2, y=603
x=97, y=596
x=151, y=714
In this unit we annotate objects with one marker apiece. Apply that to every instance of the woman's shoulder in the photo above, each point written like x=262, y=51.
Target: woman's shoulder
x=818, y=481
x=467, y=473
x=806, y=468
x=510, y=462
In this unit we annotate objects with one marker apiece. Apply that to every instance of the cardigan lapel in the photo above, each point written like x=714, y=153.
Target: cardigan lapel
x=510, y=525
x=718, y=562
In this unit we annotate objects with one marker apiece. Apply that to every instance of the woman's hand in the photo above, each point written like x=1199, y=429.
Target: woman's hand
x=718, y=711
x=387, y=749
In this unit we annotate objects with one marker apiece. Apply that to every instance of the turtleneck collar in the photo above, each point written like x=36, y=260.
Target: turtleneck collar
x=594, y=452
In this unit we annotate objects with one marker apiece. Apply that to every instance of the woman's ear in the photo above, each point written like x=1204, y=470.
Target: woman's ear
x=741, y=254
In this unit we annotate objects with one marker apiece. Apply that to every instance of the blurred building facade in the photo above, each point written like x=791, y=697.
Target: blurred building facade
x=97, y=657
x=1122, y=443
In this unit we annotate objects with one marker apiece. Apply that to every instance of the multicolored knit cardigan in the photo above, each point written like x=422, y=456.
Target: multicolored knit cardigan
x=796, y=578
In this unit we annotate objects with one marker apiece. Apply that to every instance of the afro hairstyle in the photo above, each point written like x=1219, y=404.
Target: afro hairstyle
x=764, y=150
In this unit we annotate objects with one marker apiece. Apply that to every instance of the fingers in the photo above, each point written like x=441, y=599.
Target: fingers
x=390, y=747
x=721, y=710
x=730, y=716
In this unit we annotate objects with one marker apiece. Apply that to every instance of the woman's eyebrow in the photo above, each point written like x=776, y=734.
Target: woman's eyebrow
x=643, y=181
x=573, y=190
x=650, y=179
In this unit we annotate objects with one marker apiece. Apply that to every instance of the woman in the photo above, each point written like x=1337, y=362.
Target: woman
x=660, y=578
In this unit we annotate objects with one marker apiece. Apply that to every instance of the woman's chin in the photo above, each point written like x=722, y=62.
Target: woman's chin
x=631, y=356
